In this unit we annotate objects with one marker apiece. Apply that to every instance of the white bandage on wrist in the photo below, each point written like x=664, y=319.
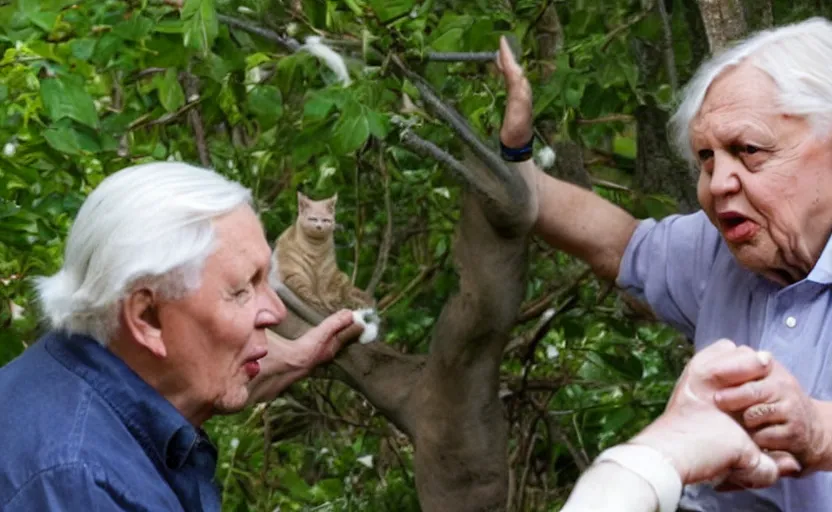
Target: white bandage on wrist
x=653, y=467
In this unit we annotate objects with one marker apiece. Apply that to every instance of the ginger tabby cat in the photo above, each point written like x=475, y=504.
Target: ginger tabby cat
x=304, y=260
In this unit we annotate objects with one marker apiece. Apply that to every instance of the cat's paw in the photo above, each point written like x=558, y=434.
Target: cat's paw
x=369, y=319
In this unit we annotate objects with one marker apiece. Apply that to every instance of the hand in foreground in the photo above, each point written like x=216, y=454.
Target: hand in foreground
x=291, y=360
x=517, y=121
x=781, y=416
x=702, y=442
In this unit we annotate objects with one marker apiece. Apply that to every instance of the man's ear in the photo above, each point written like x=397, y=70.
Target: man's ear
x=141, y=320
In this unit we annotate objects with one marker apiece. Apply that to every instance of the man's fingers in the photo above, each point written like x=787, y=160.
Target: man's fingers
x=774, y=437
x=787, y=464
x=350, y=333
x=742, y=366
x=507, y=62
x=757, y=470
x=742, y=397
x=763, y=414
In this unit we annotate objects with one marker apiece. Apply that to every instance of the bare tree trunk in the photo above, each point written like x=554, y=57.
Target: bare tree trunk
x=659, y=169
x=759, y=14
x=724, y=22
x=549, y=39
x=697, y=38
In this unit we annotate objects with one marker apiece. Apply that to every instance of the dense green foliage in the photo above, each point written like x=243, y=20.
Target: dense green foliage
x=87, y=88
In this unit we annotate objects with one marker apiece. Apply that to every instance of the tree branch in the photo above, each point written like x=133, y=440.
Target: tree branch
x=195, y=118
x=669, y=58
x=461, y=56
x=269, y=35
x=626, y=26
x=387, y=240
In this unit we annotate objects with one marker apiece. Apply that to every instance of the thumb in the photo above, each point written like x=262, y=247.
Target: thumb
x=755, y=469
x=340, y=325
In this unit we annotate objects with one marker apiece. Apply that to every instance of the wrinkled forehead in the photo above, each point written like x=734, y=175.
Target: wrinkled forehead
x=740, y=95
x=241, y=239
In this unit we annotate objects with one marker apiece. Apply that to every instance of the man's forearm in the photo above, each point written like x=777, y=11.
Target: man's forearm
x=582, y=223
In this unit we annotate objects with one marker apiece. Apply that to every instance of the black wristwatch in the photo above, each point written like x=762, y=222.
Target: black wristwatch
x=517, y=154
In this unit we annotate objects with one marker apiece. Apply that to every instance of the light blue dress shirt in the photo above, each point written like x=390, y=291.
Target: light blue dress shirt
x=682, y=267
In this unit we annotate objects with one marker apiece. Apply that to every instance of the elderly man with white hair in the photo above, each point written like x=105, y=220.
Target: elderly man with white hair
x=159, y=318
x=754, y=264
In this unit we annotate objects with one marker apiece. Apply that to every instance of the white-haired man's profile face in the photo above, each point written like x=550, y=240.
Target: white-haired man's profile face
x=214, y=336
x=765, y=179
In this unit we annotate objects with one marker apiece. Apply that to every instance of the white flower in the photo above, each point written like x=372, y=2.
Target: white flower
x=366, y=460
x=230, y=164
x=17, y=311
x=193, y=97
x=10, y=149
x=245, y=10
x=324, y=451
x=552, y=352
x=292, y=28
x=18, y=45
x=254, y=75
x=545, y=157
x=235, y=443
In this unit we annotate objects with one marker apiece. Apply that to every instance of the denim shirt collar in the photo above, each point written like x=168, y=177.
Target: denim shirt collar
x=164, y=433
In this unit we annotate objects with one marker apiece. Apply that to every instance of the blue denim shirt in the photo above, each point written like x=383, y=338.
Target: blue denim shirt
x=80, y=431
x=682, y=267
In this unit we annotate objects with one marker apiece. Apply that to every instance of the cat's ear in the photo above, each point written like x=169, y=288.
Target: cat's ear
x=303, y=202
x=331, y=202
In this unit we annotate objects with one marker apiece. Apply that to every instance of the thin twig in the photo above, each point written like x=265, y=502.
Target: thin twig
x=610, y=185
x=423, y=275
x=195, y=119
x=669, y=58
x=357, y=248
x=461, y=56
x=387, y=240
x=612, y=118
x=625, y=26
x=270, y=35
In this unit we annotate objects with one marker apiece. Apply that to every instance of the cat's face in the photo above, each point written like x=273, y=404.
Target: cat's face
x=316, y=218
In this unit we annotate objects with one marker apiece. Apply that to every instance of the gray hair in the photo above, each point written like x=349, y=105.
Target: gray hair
x=150, y=223
x=797, y=57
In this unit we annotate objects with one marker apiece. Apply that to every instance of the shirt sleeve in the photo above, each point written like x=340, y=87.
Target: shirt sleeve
x=608, y=487
x=667, y=264
x=68, y=488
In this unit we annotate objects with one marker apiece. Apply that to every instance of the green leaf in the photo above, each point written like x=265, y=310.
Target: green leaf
x=201, y=25
x=82, y=49
x=352, y=129
x=316, y=11
x=627, y=365
x=266, y=103
x=387, y=10
x=68, y=140
x=65, y=97
x=317, y=107
x=44, y=20
x=450, y=41
x=134, y=29
x=171, y=95
x=379, y=124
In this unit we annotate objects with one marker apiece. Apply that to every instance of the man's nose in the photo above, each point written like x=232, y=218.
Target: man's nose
x=275, y=306
x=725, y=178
